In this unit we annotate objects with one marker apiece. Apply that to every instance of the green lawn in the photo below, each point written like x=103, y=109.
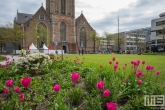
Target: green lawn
x=158, y=61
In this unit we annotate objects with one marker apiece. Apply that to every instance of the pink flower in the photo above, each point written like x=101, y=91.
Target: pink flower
x=111, y=106
x=117, y=62
x=22, y=99
x=75, y=76
x=157, y=72
x=139, y=82
x=101, y=66
x=56, y=87
x=106, y=93
x=17, y=89
x=9, y=83
x=6, y=91
x=21, y=96
x=113, y=59
x=26, y=82
x=110, y=62
x=143, y=62
x=148, y=67
x=100, y=85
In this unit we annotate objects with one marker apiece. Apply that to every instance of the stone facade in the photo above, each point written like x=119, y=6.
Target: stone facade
x=83, y=32
x=59, y=21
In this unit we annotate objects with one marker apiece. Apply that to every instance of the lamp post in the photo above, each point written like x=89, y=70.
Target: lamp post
x=118, y=36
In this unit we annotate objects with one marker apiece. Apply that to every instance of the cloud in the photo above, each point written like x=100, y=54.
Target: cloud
x=101, y=14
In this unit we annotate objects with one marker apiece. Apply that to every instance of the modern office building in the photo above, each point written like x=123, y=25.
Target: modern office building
x=158, y=32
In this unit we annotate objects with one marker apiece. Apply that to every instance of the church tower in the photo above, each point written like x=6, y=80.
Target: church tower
x=62, y=18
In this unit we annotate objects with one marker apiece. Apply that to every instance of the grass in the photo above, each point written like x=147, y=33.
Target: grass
x=103, y=59
x=2, y=58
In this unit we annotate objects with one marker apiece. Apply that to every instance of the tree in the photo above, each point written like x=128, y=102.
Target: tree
x=12, y=33
x=109, y=38
x=119, y=41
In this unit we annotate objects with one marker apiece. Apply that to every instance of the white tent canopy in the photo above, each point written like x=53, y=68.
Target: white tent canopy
x=32, y=46
x=44, y=47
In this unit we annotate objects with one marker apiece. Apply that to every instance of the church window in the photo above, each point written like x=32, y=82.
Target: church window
x=42, y=33
x=63, y=31
x=63, y=6
x=42, y=17
x=83, y=37
x=82, y=22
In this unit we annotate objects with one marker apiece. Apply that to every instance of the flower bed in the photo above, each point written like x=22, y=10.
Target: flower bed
x=67, y=85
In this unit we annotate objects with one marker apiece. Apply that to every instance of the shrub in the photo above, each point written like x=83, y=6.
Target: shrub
x=32, y=63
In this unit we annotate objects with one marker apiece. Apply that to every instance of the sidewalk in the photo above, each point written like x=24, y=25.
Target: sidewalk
x=15, y=57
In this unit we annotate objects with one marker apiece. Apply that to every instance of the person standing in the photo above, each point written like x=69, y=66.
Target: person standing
x=79, y=51
x=22, y=52
x=82, y=51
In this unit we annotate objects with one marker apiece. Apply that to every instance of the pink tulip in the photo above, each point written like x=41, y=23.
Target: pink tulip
x=56, y=87
x=157, y=72
x=111, y=106
x=106, y=93
x=143, y=62
x=26, y=82
x=113, y=59
x=21, y=96
x=110, y=62
x=117, y=62
x=9, y=83
x=6, y=91
x=22, y=99
x=100, y=85
x=139, y=82
x=75, y=76
x=17, y=89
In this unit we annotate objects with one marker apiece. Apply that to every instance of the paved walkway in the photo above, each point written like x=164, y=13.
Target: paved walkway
x=10, y=58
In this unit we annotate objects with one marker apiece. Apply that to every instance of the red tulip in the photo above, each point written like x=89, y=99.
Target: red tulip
x=17, y=89
x=111, y=106
x=100, y=85
x=26, y=82
x=75, y=76
x=9, y=83
x=139, y=82
x=157, y=72
x=56, y=87
x=106, y=93
x=6, y=91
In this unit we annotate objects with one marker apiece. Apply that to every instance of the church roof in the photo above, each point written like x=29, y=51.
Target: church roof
x=83, y=17
x=21, y=18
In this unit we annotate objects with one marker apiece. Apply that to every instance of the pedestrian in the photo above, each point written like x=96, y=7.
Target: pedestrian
x=79, y=51
x=56, y=52
x=82, y=51
x=22, y=51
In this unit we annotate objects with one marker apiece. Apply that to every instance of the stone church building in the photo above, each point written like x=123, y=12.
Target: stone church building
x=57, y=27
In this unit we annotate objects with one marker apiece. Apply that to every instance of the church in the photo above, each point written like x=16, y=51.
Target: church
x=56, y=27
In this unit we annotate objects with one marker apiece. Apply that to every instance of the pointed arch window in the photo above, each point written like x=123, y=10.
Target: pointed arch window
x=83, y=37
x=63, y=5
x=63, y=31
x=42, y=33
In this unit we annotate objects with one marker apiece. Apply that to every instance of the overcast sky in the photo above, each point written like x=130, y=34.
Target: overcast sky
x=101, y=14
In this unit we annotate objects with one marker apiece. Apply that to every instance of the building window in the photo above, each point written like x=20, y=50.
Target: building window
x=82, y=22
x=63, y=31
x=83, y=37
x=160, y=23
x=42, y=17
x=63, y=6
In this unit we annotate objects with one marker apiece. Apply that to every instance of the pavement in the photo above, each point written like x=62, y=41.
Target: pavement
x=11, y=57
